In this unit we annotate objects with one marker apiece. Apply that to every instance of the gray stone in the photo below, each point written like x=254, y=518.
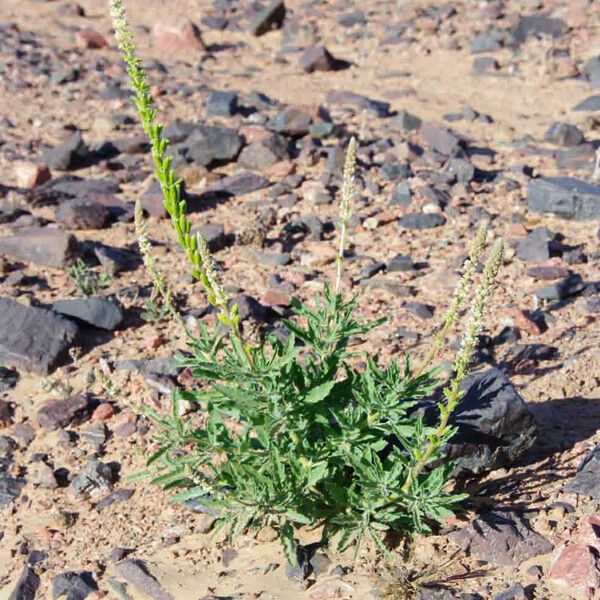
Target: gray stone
x=485, y=42
x=345, y=97
x=153, y=202
x=94, y=480
x=536, y=25
x=99, y=312
x=34, y=339
x=213, y=145
x=82, y=214
x=400, y=262
x=564, y=134
x=401, y=195
x=502, y=539
x=461, y=168
x=7, y=446
x=317, y=58
x=155, y=366
x=61, y=413
x=590, y=104
x=73, y=585
x=569, y=286
x=222, y=104
x=592, y=70
x=120, y=495
x=44, y=247
x=71, y=154
x=393, y=171
x=272, y=259
x=405, y=121
x=27, y=585
x=514, y=592
x=421, y=220
x=534, y=248
x=268, y=19
x=214, y=235
x=587, y=479
x=10, y=487
x=263, y=153
x=565, y=197
x=136, y=573
x=291, y=121
x=419, y=309
x=240, y=184
x=440, y=140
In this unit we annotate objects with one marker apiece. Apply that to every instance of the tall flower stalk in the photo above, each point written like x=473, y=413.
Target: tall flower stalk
x=194, y=245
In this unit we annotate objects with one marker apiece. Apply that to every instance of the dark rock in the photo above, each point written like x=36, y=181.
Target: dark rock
x=262, y=154
x=570, y=286
x=401, y=195
x=421, y=220
x=73, y=585
x=222, y=104
x=70, y=186
x=423, y=311
x=307, y=224
x=120, y=495
x=272, y=259
x=439, y=592
x=78, y=214
x=485, y=42
x=404, y=121
x=153, y=202
x=514, y=592
x=94, y=480
x=536, y=25
x=592, y=70
x=565, y=197
x=69, y=155
x=301, y=568
x=483, y=64
x=393, y=171
x=494, y=424
x=136, y=573
x=34, y=339
x=538, y=352
x=99, y=312
x=502, y=539
x=268, y=19
x=61, y=413
x=317, y=58
x=7, y=446
x=343, y=97
x=154, y=366
x=349, y=19
x=27, y=585
x=590, y=104
x=10, y=487
x=291, y=121
x=587, y=479
x=461, y=168
x=214, y=235
x=114, y=260
x=564, y=134
x=535, y=247
x=400, y=262
x=250, y=308
x=45, y=247
x=240, y=184
x=213, y=145
x=372, y=269
x=440, y=140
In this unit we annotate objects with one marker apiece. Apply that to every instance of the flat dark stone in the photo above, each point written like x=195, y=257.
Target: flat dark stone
x=587, y=479
x=565, y=197
x=99, y=312
x=41, y=246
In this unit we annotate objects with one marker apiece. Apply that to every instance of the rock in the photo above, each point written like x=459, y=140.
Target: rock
x=344, y=97
x=45, y=476
x=45, y=247
x=78, y=214
x=291, y=121
x=537, y=352
x=404, y=121
x=34, y=339
x=152, y=201
x=400, y=262
x=317, y=58
x=264, y=153
x=570, y=286
x=240, y=184
x=514, y=592
x=70, y=9
x=222, y=104
x=5, y=414
x=563, y=134
x=31, y=175
x=211, y=145
x=574, y=569
x=565, y=197
x=535, y=247
x=10, y=487
x=94, y=480
x=72, y=154
x=120, y=495
x=7, y=446
x=440, y=140
x=272, y=259
x=439, y=592
x=419, y=309
x=90, y=39
x=180, y=35
x=494, y=424
x=587, y=479
x=73, y=585
x=215, y=236
x=485, y=42
x=536, y=25
x=136, y=573
x=392, y=171
x=61, y=413
x=154, y=366
x=268, y=19
x=421, y=221
x=462, y=169
x=591, y=70
x=501, y=539
x=401, y=195
x=27, y=585
x=99, y=312
x=590, y=104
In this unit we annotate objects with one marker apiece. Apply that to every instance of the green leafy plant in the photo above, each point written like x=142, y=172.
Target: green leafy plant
x=303, y=432
x=85, y=280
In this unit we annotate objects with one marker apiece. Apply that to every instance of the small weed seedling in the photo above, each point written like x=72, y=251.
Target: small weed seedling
x=85, y=280
x=296, y=435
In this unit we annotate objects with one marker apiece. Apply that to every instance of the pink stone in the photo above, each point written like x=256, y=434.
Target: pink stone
x=103, y=412
x=30, y=175
x=89, y=38
x=177, y=35
x=575, y=568
x=282, y=168
x=275, y=298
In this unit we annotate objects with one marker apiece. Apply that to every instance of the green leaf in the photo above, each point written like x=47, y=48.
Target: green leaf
x=319, y=393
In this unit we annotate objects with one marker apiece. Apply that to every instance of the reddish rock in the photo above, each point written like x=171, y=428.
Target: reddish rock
x=30, y=175
x=179, y=35
x=5, y=416
x=317, y=58
x=525, y=322
x=60, y=413
x=103, y=412
x=575, y=568
x=275, y=298
x=89, y=38
x=283, y=168
x=153, y=202
x=254, y=133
